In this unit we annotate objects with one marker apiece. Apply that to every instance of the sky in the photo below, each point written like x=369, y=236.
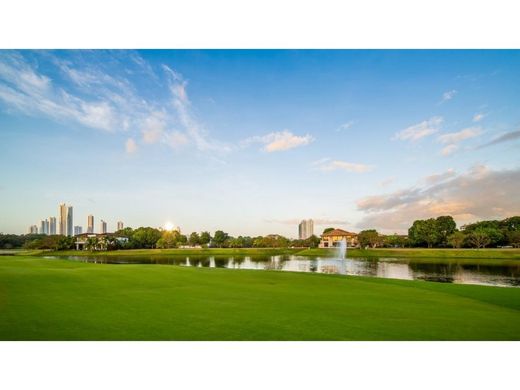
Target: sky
x=253, y=141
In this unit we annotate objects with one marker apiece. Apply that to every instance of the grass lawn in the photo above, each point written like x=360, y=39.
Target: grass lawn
x=179, y=252
x=62, y=300
x=489, y=253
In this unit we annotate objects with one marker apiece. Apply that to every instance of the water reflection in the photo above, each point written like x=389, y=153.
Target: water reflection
x=447, y=272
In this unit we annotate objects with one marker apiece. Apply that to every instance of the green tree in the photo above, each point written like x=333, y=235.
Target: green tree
x=514, y=238
x=220, y=239
x=445, y=227
x=329, y=229
x=194, y=239
x=479, y=238
x=424, y=232
x=145, y=237
x=456, y=239
x=369, y=237
x=205, y=238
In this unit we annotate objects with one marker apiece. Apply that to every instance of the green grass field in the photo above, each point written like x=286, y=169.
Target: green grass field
x=63, y=300
x=487, y=253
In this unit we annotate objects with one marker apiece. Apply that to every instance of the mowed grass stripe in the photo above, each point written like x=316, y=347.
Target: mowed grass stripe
x=63, y=300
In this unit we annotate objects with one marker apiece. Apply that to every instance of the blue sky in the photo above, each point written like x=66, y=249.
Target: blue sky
x=251, y=142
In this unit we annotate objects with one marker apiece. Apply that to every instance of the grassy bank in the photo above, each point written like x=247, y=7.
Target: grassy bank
x=61, y=300
x=490, y=253
x=180, y=252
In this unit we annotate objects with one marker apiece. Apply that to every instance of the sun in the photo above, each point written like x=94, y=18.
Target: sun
x=169, y=226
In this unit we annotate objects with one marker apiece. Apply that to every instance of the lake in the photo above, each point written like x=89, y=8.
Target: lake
x=445, y=271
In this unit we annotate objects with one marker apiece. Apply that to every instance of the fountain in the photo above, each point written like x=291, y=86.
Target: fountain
x=342, y=249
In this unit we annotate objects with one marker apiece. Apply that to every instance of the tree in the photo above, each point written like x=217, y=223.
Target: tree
x=205, y=238
x=369, y=238
x=456, y=239
x=145, y=237
x=169, y=239
x=194, y=239
x=220, y=239
x=479, y=238
x=445, y=226
x=514, y=238
x=395, y=241
x=424, y=232
x=327, y=230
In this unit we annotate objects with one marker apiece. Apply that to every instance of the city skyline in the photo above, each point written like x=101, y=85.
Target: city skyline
x=251, y=141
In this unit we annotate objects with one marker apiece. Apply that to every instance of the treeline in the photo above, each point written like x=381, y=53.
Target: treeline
x=442, y=232
x=36, y=241
x=147, y=237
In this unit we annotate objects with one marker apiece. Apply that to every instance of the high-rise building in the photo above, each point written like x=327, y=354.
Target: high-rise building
x=120, y=225
x=90, y=224
x=305, y=229
x=70, y=221
x=102, y=227
x=52, y=225
x=78, y=230
x=62, y=219
x=33, y=229
x=44, y=227
x=66, y=227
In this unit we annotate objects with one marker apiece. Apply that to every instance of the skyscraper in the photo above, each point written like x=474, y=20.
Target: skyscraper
x=44, y=227
x=103, y=227
x=305, y=229
x=52, y=225
x=78, y=230
x=62, y=219
x=70, y=221
x=119, y=225
x=90, y=224
x=33, y=229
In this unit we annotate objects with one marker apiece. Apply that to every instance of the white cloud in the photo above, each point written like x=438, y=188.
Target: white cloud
x=449, y=149
x=328, y=165
x=194, y=129
x=130, y=146
x=279, y=141
x=420, y=130
x=345, y=126
x=479, y=193
x=478, y=117
x=177, y=139
x=153, y=128
x=94, y=92
x=452, y=138
x=448, y=95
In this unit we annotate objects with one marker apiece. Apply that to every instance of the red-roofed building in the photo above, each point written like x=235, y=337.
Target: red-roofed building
x=332, y=239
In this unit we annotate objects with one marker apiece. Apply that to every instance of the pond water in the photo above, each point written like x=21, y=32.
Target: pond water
x=446, y=271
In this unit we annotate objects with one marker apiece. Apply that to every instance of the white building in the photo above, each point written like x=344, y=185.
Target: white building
x=90, y=224
x=305, y=229
x=52, y=225
x=102, y=227
x=120, y=225
x=78, y=230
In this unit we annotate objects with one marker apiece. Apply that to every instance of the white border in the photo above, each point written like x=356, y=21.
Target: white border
x=259, y=24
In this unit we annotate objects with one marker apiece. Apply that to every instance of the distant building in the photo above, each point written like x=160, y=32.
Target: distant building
x=52, y=225
x=305, y=229
x=62, y=219
x=332, y=239
x=102, y=227
x=33, y=229
x=44, y=227
x=78, y=230
x=70, y=222
x=90, y=224
x=120, y=225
